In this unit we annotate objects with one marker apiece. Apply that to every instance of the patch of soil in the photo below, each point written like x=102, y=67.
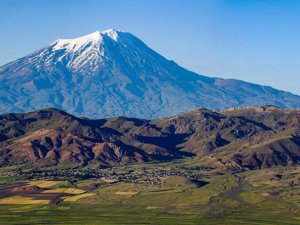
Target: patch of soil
x=26, y=189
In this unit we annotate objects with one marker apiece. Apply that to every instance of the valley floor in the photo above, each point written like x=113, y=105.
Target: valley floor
x=267, y=196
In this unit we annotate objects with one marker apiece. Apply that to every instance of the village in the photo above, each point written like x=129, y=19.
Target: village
x=143, y=175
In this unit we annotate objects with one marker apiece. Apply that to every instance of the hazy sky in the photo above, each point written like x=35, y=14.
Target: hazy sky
x=252, y=40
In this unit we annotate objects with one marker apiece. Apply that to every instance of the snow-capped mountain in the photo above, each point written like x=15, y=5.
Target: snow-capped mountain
x=114, y=73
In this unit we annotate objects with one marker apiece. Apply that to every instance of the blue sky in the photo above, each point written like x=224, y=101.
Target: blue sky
x=252, y=40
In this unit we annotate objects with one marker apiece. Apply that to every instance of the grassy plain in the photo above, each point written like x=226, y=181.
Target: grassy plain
x=268, y=196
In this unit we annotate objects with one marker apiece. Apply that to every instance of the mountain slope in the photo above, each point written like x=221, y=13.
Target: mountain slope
x=240, y=138
x=113, y=73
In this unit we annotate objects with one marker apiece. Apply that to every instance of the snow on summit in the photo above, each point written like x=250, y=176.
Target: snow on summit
x=95, y=38
x=84, y=51
x=76, y=43
x=113, y=73
x=113, y=34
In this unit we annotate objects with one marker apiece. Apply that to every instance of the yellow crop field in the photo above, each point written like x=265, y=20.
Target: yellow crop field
x=56, y=190
x=77, y=197
x=21, y=200
x=44, y=183
x=74, y=191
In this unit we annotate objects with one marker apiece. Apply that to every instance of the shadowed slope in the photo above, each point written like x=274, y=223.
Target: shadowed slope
x=239, y=138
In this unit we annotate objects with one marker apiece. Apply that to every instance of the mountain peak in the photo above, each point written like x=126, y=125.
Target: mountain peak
x=94, y=38
x=97, y=35
x=113, y=73
x=112, y=33
x=82, y=53
x=76, y=43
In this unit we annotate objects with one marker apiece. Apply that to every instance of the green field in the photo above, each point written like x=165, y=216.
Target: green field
x=251, y=197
